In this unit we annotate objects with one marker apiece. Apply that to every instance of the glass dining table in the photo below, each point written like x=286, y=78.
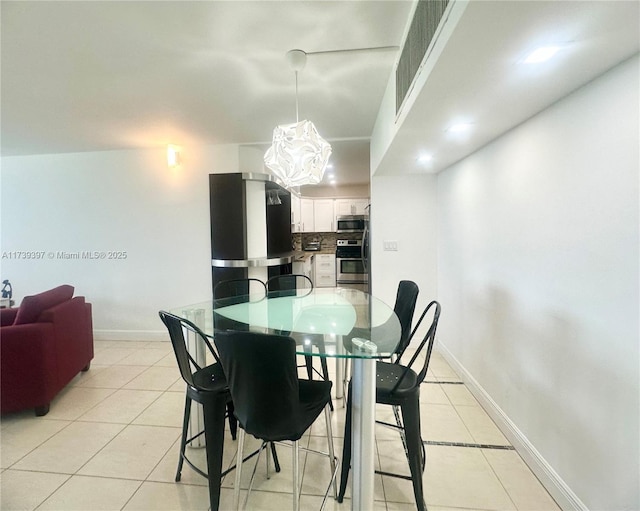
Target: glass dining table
x=338, y=323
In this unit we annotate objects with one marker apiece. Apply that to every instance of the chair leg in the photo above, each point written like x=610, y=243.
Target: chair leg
x=183, y=440
x=268, y=456
x=214, y=416
x=309, y=363
x=332, y=456
x=345, y=377
x=296, y=476
x=253, y=473
x=276, y=463
x=411, y=420
x=325, y=369
x=233, y=422
x=236, y=486
x=346, y=450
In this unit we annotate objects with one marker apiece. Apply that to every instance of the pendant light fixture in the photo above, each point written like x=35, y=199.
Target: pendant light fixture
x=298, y=154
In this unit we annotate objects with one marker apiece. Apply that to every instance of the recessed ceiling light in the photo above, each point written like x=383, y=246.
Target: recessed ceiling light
x=330, y=165
x=425, y=158
x=541, y=54
x=460, y=127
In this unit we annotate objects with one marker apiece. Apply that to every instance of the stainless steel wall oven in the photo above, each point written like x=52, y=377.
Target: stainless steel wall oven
x=350, y=267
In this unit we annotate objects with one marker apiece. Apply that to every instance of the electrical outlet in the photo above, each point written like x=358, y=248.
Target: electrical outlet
x=390, y=245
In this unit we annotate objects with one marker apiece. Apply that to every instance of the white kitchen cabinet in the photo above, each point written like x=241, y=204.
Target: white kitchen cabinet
x=360, y=206
x=319, y=215
x=324, y=270
x=344, y=207
x=306, y=215
x=304, y=267
x=324, y=219
x=296, y=220
x=351, y=206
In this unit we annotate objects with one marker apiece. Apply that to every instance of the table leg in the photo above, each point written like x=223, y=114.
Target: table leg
x=340, y=367
x=363, y=432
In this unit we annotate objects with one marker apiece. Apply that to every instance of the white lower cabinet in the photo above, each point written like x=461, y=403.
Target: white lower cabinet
x=304, y=267
x=324, y=270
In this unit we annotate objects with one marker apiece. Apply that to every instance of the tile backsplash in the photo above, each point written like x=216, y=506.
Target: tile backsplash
x=327, y=239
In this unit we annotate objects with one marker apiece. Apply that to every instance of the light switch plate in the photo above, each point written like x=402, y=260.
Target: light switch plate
x=390, y=245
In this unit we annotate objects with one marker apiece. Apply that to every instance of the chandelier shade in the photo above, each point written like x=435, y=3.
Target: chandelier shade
x=298, y=154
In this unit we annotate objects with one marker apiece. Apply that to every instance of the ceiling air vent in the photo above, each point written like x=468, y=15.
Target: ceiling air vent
x=423, y=27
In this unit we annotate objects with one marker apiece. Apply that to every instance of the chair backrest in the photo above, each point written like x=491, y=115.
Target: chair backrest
x=289, y=285
x=263, y=379
x=234, y=291
x=434, y=309
x=186, y=363
x=404, y=308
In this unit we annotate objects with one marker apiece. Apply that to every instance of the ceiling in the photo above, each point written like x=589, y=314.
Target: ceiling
x=94, y=76
x=477, y=74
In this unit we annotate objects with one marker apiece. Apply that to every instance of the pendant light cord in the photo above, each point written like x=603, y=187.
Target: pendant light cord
x=297, y=118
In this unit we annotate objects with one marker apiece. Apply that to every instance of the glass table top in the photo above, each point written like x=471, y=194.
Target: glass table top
x=333, y=322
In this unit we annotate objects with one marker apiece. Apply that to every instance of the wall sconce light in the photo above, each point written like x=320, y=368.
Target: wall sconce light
x=173, y=156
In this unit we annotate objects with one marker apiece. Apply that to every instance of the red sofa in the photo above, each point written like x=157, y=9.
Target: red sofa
x=44, y=344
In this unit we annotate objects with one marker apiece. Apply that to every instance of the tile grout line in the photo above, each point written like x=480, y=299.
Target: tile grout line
x=471, y=445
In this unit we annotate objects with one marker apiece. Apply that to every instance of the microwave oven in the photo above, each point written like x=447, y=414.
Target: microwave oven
x=350, y=223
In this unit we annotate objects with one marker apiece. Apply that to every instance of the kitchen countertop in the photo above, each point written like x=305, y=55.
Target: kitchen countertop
x=304, y=255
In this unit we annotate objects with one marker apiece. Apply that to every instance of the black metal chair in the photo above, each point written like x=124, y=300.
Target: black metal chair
x=206, y=385
x=399, y=385
x=233, y=292
x=270, y=402
x=291, y=284
x=229, y=292
x=404, y=307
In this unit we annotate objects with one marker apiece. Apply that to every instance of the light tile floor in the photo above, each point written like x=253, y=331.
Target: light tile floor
x=111, y=440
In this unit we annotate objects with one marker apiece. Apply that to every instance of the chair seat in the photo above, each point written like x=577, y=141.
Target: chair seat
x=210, y=378
x=387, y=375
x=313, y=398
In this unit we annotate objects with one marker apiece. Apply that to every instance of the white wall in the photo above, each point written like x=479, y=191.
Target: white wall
x=348, y=191
x=538, y=254
x=251, y=159
x=404, y=209
x=113, y=201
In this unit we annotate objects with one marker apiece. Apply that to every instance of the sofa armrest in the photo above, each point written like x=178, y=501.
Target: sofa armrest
x=28, y=365
x=64, y=312
x=73, y=335
x=8, y=316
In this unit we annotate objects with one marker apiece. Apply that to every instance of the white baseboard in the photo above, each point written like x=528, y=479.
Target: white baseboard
x=130, y=335
x=554, y=484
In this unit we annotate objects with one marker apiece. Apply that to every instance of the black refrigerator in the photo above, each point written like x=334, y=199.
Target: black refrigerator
x=250, y=218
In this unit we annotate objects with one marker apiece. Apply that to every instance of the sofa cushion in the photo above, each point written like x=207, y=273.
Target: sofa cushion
x=32, y=306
